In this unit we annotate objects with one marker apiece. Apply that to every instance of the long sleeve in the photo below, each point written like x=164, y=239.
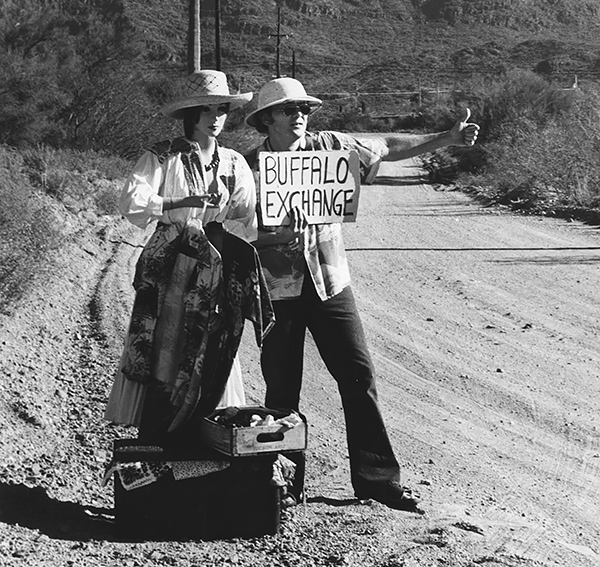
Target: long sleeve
x=140, y=201
x=173, y=172
x=241, y=217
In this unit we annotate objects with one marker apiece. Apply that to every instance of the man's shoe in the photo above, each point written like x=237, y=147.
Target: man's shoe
x=392, y=495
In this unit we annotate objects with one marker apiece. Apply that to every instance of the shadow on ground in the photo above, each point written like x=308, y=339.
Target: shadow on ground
x=400, y=181
x=32, y=508
x=333, y=501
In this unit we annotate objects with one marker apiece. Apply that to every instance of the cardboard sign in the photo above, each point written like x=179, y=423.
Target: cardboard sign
x=325, y=184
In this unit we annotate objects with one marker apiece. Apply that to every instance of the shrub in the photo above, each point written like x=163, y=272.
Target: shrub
x=547, y=161
x=26, y=231
x=537, y=149
x=79, y=180
x=38, y=189
x=517, y=97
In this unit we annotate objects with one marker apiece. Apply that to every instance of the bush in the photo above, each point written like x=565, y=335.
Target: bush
x=537, y=149
x=79, y=180
x=522, y=97
x=38, y=191
x=547, y=160
x=26, y=231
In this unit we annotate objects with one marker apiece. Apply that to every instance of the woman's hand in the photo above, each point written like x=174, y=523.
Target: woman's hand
x=208, y=200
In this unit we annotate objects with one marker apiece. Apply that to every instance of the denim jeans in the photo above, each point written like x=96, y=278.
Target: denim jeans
x=338, y=333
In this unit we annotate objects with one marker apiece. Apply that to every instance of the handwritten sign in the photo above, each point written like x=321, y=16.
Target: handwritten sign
x=324, y=184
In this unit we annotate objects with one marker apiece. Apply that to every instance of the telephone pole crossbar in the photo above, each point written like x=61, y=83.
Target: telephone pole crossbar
x=278, y=35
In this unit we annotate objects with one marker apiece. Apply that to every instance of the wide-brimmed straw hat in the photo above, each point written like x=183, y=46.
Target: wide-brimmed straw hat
x=204, y=87
x=281, y=91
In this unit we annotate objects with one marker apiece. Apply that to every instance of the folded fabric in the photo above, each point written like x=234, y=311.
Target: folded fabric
x=193, y=469
x=136, y=474
x=141, y=473
x=284, y=471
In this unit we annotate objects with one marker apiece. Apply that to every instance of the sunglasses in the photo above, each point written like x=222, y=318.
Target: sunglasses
x=291, y=109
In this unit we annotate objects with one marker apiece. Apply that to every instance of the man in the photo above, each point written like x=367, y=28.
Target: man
x=309, y=282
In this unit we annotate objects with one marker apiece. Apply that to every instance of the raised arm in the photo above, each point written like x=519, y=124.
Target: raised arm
x=403, y=145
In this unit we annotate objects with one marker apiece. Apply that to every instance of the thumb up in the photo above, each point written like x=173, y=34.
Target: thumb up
x=465, y=132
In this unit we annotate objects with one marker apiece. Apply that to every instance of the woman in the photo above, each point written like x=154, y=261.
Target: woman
x=197, y=278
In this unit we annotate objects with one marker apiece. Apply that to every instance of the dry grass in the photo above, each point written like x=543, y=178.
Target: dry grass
x=538, y=147
x=41, y=192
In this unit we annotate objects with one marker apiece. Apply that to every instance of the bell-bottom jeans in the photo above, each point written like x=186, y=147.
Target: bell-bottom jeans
x=338, y=333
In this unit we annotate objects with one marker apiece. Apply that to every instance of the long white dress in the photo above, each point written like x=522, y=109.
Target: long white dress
x=173, y=170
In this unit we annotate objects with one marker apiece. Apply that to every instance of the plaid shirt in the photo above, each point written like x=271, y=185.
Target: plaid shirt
x=323, y=251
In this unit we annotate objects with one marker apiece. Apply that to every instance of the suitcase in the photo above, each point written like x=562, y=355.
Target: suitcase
x=237, y=502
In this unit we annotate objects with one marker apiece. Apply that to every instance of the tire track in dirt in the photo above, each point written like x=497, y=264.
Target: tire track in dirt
x=474, y=319
x=446, y=290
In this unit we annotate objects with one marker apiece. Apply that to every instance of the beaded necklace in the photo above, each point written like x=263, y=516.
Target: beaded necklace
x=214, y=162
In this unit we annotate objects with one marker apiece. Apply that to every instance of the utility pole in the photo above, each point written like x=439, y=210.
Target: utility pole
x=278, y=35
x=193, y=54
x=218, y=35
x=417, y=48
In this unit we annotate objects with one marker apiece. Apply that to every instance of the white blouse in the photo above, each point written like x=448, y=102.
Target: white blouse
x=161, y=173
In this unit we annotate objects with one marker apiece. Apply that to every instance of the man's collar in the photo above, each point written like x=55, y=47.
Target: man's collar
x=302, y=145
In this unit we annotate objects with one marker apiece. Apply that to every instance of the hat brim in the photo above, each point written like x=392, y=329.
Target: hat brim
x=252, y=118
x=175, y=109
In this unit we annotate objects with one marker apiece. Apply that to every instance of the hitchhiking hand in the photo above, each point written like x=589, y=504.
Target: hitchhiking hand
x=465, y=132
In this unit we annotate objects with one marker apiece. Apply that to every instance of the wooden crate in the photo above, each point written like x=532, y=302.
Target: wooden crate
x=259, y=439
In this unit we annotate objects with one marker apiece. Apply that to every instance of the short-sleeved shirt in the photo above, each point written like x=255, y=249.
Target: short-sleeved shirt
x=323, y=251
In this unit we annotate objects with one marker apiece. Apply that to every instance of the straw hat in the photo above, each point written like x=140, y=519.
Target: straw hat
x=204, y=87
x=280, y=91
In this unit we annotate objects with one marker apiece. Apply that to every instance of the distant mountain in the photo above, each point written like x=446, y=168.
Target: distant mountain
x=91, y=74
x=387, y=45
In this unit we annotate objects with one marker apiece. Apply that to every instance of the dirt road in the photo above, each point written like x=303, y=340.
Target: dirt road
x=484, y=331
